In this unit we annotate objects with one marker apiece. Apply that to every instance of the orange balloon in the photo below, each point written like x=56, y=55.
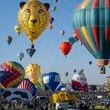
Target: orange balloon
x=65, y=47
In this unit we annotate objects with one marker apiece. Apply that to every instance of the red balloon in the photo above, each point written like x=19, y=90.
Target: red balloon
x=65, y=47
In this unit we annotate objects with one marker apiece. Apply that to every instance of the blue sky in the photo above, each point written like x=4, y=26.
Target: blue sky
x=47, y=54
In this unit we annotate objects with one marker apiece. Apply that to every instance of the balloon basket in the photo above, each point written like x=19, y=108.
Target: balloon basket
x=102, y=62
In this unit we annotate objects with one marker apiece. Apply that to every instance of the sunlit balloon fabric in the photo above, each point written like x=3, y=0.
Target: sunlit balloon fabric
x=51, y=80
x=33, y=18
x=27, y=84
x=33, y=71
x=92, y=26
x=11, y=74
x=62, y=96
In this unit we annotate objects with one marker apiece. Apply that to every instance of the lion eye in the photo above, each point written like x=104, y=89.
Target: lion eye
x=26, y=14
x=41, y=11
x=27, y=10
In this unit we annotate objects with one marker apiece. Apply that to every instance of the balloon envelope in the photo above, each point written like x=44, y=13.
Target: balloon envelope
x=33, y=21
x=11, y=74
x=65, y=47
x=79, y=82
x=20, y=56
x=51, y=80
x=17, y=29
x=71, y=40
x=91, y=26
x=33, y=72
x=9, y=39
x=27, y=84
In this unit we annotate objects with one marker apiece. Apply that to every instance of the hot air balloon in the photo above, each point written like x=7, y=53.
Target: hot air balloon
x=62, y=32
x=61, y=87
x=65, y=47
x=17, y=29
x=11, y=74
x=91, y=26
x=79, y=82
x=33, y=18
x=50, y=26
x=31, y=51
x=55, y=1
x=9, y=39
x=90, y=62
x=41, y=82
x=20, y=56
x=28, y=85
x=33, y=72
x=71, y=40
x=51, y=20
x=66, y=74
x=54, y=8
x=51, y=80
x=74, y=70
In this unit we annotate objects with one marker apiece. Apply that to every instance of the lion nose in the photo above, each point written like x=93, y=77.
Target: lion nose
x=33, y=21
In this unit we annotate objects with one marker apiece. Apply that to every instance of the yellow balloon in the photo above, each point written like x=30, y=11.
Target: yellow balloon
x=33, y=17
x=62, y=96
x=33, y=72
x=17, y=29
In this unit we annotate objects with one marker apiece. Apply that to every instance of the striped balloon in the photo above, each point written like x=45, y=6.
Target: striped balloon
x=11, y=74
x=92, y=27
x=28, y=85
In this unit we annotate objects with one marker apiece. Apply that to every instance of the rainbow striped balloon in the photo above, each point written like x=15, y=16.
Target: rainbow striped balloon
x=92, y=27
x=27, y=84
x=11, y=74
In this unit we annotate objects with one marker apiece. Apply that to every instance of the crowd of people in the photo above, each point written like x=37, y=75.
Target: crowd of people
x=44, y=104
x=17, y=104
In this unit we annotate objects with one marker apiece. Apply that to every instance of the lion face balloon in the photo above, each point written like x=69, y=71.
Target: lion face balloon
x=33, y=18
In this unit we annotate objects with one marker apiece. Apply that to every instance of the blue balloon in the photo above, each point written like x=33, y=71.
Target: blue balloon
x=1, y=91
x=51, y=80
x=72, y=40
x=60, y=87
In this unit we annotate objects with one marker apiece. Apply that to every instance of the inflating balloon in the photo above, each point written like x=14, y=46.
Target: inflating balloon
x=31, y=51
x=91, y=26
x=63, y=96
x=65, y=47
x=79, y=82
x=11, y=74
x=28, y=85
x=61, y=87
x=9, y=39
x=33, y=72
x=51, y=80
x=20, y=56
x=17, y=29
x=33, y=17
